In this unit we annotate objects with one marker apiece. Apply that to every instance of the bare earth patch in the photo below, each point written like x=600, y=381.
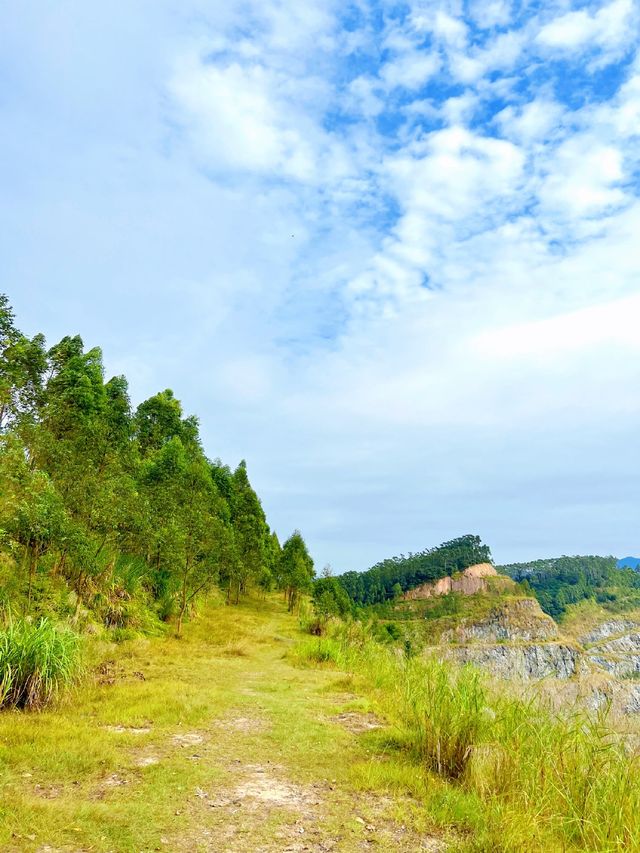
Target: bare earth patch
x=109, y=784
x=187, y=739
x=110, y=672
x=47, y=792
x=243, y=725
x=357, y=723
x=129, y=730
x=147, y=760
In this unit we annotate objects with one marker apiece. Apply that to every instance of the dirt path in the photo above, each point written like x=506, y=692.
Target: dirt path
x=215, y=744
x=261, y=800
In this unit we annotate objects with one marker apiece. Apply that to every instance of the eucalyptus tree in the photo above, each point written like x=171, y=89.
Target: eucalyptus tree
x=296, y=569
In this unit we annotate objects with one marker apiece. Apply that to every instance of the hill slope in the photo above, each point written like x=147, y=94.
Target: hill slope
x=562, y=581
x=393, y=576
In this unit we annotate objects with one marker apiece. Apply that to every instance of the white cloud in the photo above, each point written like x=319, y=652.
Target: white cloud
x=450, y=29
x=611, y=324
x=237, y=121
x=583, y=179
x=411, y=70
x=607, y=28
x=491, y=13
x=533, y=122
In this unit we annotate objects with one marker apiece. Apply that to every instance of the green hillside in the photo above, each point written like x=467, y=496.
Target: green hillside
x=390, y=577
x=562, y=581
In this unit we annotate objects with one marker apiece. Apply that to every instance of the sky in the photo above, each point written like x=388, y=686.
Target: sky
x=389, y=253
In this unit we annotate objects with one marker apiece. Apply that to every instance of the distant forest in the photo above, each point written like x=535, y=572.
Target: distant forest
x=561, y=581
x=393, y=576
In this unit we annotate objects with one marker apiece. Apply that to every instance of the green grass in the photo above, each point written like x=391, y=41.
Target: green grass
x=546, y=781
x=56, y=766
x=37, y=663
x=452, y=760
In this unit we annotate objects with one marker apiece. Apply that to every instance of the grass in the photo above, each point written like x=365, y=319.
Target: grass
x=451, y=760
x=57, y=768
x=37, y=663
x=546, y=781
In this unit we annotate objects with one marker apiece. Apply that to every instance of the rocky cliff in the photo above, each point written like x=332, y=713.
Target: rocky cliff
x=523, y=662
x=515, y=642
x=515, y=620
x=487, y=622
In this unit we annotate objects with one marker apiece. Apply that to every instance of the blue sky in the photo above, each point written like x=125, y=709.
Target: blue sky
x=386, y=252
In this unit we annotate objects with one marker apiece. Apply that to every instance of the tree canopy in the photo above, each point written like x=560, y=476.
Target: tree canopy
x=389, y=578
x=560, y=581
x=120, y=507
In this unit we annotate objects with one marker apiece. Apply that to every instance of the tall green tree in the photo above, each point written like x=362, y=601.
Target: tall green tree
x=296, y=569
x=22, y=365
x=251, y=534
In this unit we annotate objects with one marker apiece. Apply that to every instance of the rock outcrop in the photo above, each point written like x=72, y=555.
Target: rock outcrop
x=511, y=638
x=517, y=620
x=468, y=582
x=614, y=647
x=521, y=662
x=608, y=629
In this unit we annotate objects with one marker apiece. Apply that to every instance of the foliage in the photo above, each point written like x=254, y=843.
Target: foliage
x=562, y=581
x=88, y=486
x=390, y=578
x=36, y=663
x=295, y=569
x=330, y=598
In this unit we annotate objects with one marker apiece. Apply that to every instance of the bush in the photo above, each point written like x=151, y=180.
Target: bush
x=37, y=662
x=447, y=713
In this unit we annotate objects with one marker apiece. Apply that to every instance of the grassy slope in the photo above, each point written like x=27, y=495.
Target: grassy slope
x=586, y=615
x=236, y=750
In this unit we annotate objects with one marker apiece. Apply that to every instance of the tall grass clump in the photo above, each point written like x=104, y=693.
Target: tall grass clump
x=447, y=714
x=38, y=661
x=547, y=780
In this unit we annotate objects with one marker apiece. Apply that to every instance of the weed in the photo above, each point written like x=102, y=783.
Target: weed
x=37, y=661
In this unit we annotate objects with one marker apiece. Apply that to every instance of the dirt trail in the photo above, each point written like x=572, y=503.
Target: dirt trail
x=223, y=746
x=262, y=802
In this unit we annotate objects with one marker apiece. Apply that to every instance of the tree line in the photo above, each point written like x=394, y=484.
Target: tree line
x=561, y=581
x=391, y=577
x=116, y=510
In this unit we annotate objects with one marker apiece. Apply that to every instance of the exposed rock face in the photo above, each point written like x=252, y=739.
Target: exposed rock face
x=622, y=666
x=608, y=629
x=628, y=643
x=619, y=656
x=468, y=582
x=521, y=662
x=519, y=620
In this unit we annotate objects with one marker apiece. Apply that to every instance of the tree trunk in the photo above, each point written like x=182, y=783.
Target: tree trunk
x=183, y=607
x=183, y=598
x=32, y=570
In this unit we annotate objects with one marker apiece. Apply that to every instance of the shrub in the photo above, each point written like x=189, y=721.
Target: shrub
x=37, y=662
x=447, y=708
